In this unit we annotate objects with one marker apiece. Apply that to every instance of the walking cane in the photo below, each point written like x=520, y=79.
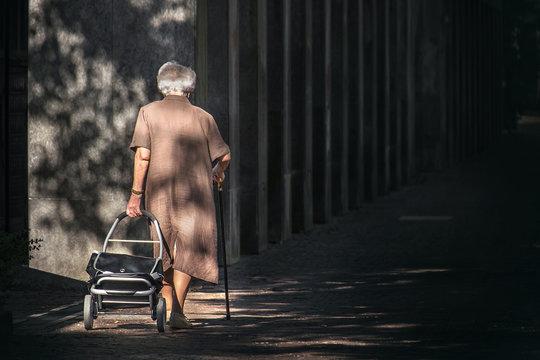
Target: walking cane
x=220, y=195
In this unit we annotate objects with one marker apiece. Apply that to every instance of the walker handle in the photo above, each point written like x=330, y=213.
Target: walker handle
x=146, y=213
x=153, y=219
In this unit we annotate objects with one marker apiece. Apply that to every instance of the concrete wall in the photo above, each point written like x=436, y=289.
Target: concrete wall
x=92, y=65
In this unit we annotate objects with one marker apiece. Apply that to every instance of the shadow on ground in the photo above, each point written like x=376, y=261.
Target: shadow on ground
x=445, y=270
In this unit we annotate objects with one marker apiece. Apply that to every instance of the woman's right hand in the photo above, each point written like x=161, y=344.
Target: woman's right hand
x=133, y=208
x=217, y=174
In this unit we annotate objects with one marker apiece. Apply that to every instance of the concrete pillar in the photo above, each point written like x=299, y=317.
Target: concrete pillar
x=233, y=244
x=482, y=91
x=475, y=33
x=360, y=144
x=452, y=75
x=262, y=125
x=372, y=171
x=286, y=222
x=497, y=74
x=431, y=87
x=344, y=203
x=308, y=118
x=488, y=74
x=4, y=123
x=301, y=115
x=462, y=87
x=217, y=49
x=231, y=89
x=392, y=72
x=411, y=88
x=468, y=79
x=500, y=66
x=491, y=84
x=327, y=176
x=491, y=64
x=337, y=110
x=387, y=99
x=276, y=108
x=474, y=76
x=253, y=132
x=218, y=92
x=489, y=77
x=352, y=103
x=483, y=76
x=465, y=86
x=398, y=92
x=319, y=111
x=381, y=84
x=490, y=81
x=323, y=90
x=442, y=159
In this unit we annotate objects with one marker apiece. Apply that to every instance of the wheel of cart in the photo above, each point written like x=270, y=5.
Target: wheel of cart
x=161, y=314
x=120, y=280
x=90, y=312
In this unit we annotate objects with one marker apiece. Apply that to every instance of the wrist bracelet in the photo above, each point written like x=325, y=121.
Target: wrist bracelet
x=137, y=192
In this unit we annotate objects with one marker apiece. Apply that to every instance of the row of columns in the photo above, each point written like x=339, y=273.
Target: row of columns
x=332, y=103
x=475, y=98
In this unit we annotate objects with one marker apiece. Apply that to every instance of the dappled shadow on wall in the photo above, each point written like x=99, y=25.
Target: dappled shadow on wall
x=91, y=67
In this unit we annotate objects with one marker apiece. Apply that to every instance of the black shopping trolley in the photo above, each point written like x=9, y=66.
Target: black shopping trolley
x=119, y=281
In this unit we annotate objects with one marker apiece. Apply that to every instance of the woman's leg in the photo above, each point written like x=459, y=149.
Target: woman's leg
x=167, y=290
x=181, y=285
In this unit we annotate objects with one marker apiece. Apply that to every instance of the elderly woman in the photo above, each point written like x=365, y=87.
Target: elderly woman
x=175, y=145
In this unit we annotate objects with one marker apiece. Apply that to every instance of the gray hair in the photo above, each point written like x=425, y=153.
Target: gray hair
x=173, y=77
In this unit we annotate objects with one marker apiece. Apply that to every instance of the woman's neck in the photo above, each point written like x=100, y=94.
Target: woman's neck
x=178, y=94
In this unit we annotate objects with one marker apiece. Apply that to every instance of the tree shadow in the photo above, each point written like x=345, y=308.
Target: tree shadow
x=396, y=313
x=91, y=67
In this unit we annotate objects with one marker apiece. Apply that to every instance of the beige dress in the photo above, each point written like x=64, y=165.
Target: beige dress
x=183, y=140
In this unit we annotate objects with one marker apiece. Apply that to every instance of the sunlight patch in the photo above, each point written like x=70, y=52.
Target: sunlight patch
x=422, y=271
x=395, y=326
x=179, y=15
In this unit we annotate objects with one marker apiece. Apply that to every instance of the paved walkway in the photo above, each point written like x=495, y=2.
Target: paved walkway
x=446, y=269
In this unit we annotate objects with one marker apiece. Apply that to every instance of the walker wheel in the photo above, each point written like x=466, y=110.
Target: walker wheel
x=89, y=309
x=161, y=313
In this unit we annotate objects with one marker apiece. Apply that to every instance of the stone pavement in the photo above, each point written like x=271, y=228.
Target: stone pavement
x=446, y=269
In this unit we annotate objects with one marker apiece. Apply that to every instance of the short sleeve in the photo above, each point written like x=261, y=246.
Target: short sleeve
x=141, y=134
x=216, y=146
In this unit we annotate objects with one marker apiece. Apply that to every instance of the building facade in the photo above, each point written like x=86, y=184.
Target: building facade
x=325, y=105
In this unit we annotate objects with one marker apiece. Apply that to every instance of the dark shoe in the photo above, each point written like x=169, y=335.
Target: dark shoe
x=179, y=321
